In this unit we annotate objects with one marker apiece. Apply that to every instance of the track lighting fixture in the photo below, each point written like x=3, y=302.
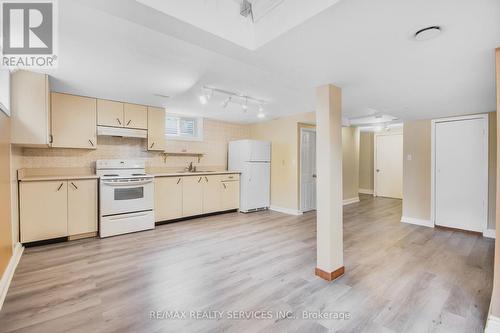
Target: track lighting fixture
x=232, y=97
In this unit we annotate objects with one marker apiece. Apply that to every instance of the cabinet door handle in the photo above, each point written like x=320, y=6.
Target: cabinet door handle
x=118, y=120
x=199, y=180
x=178, y=181
x=60, y=186
x=224, y=185
x=76, y=187
x=206, y=179
x=91, y=143
x=128, y=122
x=152, y=145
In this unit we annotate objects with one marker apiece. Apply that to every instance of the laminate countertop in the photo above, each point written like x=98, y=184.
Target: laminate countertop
x=198, y=173
x=56, y=177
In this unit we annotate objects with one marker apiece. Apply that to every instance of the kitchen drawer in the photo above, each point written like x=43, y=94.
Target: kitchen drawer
x=230, y=177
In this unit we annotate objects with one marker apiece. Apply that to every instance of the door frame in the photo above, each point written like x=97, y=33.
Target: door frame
x=300, y=128
x=485, y=119
x=375, y=136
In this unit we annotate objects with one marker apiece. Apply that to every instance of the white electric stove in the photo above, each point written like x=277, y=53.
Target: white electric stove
x=126, y=195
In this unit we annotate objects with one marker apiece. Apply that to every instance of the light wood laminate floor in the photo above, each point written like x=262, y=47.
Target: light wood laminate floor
x=399, y=277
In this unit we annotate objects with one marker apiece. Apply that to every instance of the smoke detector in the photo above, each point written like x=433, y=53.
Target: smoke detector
x=427, y=33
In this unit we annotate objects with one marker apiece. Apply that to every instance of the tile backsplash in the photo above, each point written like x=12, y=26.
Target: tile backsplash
x=216, y=136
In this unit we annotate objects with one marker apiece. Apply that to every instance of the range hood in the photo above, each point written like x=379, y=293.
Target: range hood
x=123, y=132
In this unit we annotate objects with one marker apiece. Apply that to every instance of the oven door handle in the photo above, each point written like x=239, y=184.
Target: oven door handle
x=132, y=183
x=129, y=215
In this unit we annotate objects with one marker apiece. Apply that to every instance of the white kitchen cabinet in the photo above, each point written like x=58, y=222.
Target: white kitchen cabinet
x=73, y=121
x=59, y=208
x=185, y=196
x=135, y=116
x=43, y=210
x=82, y=207
x=211, y=194
x=109, y=113
x=30, y=109
x=192, y=196
x=168, y=198
x=156, y=129
x=230, y=195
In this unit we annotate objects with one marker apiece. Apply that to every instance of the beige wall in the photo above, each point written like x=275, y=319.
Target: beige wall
x=15, y=162
x=492, y=169
x=366, y=161
x=283, y=134
x=5, y=208
x=495, y=297
x=350, y=162
x=216, y=136
x=417, y=172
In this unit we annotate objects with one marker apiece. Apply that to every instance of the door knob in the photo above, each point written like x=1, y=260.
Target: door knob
x=314, y=176
x=378, y=170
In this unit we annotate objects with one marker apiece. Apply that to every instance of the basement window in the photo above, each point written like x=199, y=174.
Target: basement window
x=179, y=127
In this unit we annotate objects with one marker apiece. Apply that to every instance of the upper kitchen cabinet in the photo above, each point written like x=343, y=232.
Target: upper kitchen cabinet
x=109, y=113
x=30, y=106
x=135, y=116
x=74, y=121
x=156, y=129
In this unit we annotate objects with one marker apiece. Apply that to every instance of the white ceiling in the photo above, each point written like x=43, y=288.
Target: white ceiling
x=271, y=18
x=124, y=50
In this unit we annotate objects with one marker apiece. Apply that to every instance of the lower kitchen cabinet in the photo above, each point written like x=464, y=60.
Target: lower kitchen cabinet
x=192, y=196
x=211, y=194
x=43, y=210
x=230, y=195
x=186, y=196
x=168, y=198
x=53, y=209
x=82, y=206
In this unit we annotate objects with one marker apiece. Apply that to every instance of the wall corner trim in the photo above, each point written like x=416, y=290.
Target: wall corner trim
x=411, y=220
x=489, y=233
x=365, y=191
x=492, y=324
x=350, y=201
x=284, y=210
x=9, y=272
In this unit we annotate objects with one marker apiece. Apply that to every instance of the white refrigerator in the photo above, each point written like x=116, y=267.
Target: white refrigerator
x=253, y=159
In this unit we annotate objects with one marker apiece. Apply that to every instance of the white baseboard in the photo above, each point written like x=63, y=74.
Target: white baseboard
x=9, y=272
x=285, y=210
x=411, y=220
x=365, y=191
x=350, y=201
x=492, y=324
x=489, y=233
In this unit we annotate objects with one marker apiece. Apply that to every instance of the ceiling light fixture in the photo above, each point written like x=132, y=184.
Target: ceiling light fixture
x=427, y=33
x=205, y=96
x=226, y=102
x=203, y=99
x=245, y=106
x=244, y=101
x=261, y=115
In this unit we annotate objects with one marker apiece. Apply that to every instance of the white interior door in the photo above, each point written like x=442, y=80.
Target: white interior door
x=389, y=165
x=307, y=169
x=461, y=174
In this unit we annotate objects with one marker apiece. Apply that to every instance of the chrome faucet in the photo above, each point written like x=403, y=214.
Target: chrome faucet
x=191, y=168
